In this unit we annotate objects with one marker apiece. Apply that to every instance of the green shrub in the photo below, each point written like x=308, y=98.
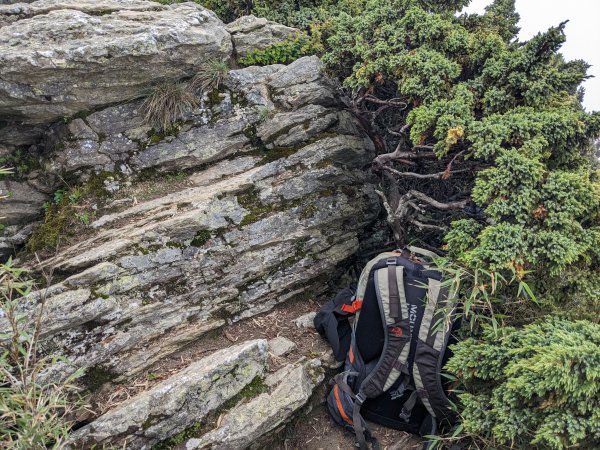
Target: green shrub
x=33, y=414
x=506, y=112
x=286, y=51
x=537, y=387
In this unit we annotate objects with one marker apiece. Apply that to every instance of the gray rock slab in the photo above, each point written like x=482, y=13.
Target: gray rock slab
x=248, y=424
x=21, y=204
x=256, y=33
x=281, y=346
x=102, y=52
x=178, y=402
x=305, y=320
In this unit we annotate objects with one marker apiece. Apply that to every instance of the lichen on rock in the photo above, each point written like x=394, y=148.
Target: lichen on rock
x=254, y=198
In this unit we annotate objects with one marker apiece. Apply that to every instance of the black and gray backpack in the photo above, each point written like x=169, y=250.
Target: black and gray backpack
x=394, y=349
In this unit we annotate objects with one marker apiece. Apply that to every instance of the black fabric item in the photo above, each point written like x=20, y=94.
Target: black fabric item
x=393, y=290
x=428, y=428
x=373, y=385
x=386, y=410
x=376, y=347
x=332, y=323
x=358, y=422
x=370, y=333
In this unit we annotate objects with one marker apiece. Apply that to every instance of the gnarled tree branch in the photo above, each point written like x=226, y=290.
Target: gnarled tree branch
x=397, y=155
x=423, y=176
x=438, y=205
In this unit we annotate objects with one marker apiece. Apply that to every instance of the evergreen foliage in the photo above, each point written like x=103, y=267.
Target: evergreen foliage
x=532, y=388
x=511, y=110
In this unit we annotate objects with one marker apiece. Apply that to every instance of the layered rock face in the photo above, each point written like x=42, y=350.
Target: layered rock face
x=254, y=197
x=58, y=58
x=177, y=403
x=274, y=199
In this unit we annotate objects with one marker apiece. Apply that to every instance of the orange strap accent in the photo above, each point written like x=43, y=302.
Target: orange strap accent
x=355, y=306
x=336, y=394
x=351, y=355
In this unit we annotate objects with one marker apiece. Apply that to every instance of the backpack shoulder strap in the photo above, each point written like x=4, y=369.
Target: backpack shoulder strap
x=364, y=275
x=389, y=288
x=434, y=332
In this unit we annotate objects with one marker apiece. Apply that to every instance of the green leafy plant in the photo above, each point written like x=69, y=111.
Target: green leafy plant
x=33, y=413
x=18, y=164
x=286, y=51
x=534, y=388
x=167, y=104
x=86, y=217
x=487, y=297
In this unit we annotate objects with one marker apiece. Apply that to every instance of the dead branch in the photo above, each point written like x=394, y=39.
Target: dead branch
x=426, y=226
x=424, y=176
x=397, y=155
x=446, y=173
x=392, y=217
x=395, y=102
x=438, y=205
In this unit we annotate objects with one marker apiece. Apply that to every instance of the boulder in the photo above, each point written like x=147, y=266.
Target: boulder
x=257, y=33
x=248, y=425
x=178, y=402
x=21, y=204
x=102, y=52
x=273, y=201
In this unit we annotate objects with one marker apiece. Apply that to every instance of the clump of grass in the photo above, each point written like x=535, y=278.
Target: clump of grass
x=167, y=103
x=210, y=76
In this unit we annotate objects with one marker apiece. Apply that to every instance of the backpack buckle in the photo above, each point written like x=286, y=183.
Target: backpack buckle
x=360, y=398
x=405, y=415
x=391, y=261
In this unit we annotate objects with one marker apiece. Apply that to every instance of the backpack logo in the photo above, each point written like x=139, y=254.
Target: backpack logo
x=412, y=317
x=396, y=331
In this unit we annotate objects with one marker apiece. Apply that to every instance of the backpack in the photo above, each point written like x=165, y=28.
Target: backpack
x=395, y=348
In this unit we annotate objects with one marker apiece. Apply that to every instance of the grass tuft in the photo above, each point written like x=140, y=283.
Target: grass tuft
x=210, y=76
x=167, y=104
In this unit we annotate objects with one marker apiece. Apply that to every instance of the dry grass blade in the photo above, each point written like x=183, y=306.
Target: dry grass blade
x=210, y=76
x=168, y=103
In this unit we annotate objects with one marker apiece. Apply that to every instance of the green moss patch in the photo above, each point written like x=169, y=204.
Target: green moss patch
x=201, y=238
x=68, y=212
x=96, y=376
x=257, y=210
